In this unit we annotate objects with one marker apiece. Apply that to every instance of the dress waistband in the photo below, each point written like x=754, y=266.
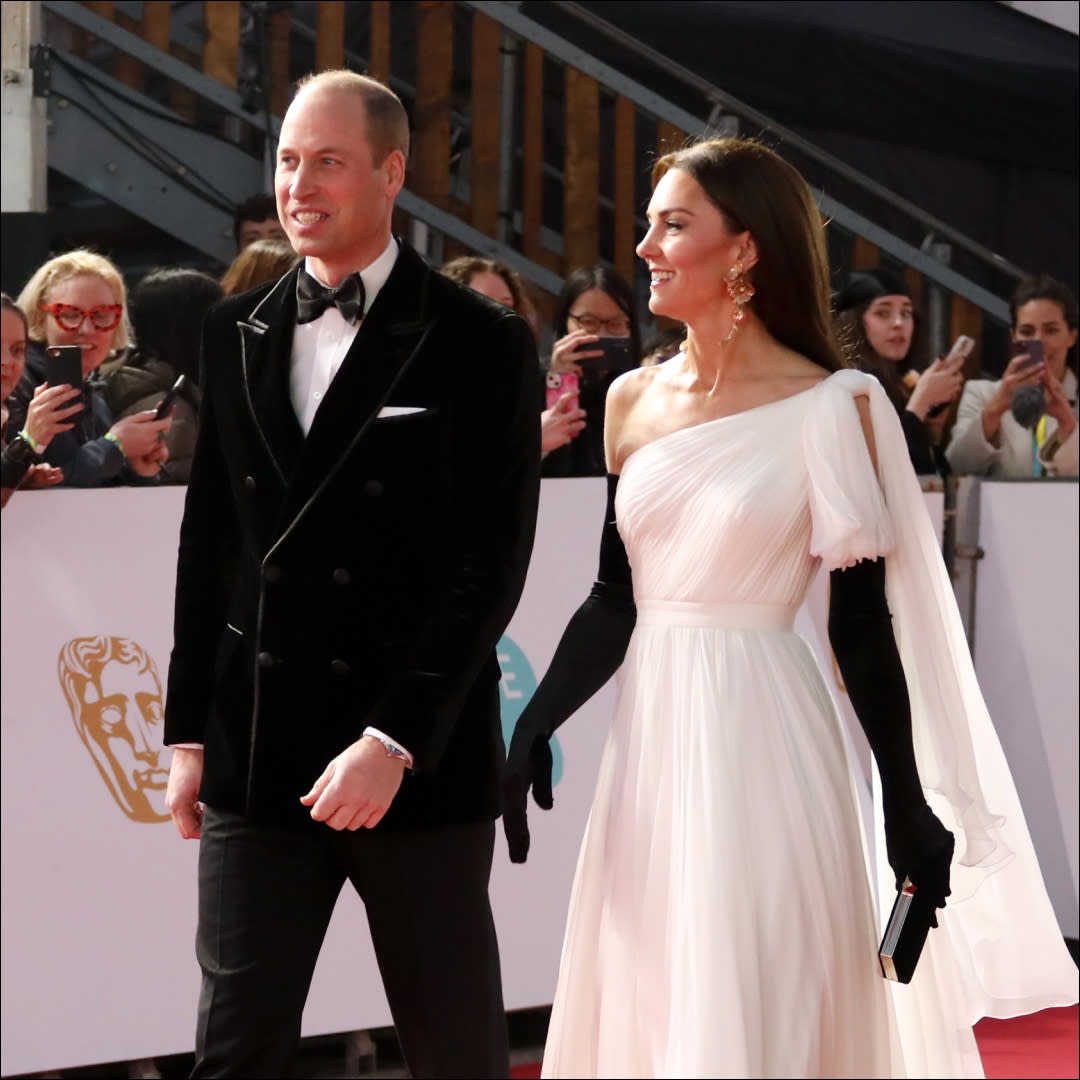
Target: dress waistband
x=716, y=616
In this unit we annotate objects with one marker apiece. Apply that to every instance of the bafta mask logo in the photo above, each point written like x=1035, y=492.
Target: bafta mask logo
x=114, y=694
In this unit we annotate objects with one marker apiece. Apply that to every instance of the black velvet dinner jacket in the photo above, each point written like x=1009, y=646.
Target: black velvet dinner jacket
x=363, y=574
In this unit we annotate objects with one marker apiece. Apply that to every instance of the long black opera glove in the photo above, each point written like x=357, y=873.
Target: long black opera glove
x=860, y=631
x=589, y=652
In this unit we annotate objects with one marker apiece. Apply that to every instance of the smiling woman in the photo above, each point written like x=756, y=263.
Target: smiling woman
x=78, y=299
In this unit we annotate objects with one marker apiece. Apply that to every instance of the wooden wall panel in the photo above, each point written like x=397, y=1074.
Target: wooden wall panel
x=80, y=39
x=864, y=255
x=221, y=53
x=484, y=175
x=125, y=68
x=668, y=137
x=330, y=35
x=915, y=283
x=431, y=115
x=157, y=25
x=532, y=152
x=379, y=67
x=278, y=29
x=582, y=173
x=625, y=176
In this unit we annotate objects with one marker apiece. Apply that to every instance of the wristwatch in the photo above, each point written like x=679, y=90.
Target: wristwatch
x=392, y=749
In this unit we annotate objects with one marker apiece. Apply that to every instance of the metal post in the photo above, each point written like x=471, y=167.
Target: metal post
x=23, y=195
x=937, y=303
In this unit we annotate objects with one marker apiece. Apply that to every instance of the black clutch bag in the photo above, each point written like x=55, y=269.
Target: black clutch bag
x=905, y=934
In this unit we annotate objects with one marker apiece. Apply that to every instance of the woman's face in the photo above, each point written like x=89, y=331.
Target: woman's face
x=86, y=292
x=13, y=360
x=1044, y=320
x=688, y=248
x=493, y=287
x=597, y=313
x=889, y=323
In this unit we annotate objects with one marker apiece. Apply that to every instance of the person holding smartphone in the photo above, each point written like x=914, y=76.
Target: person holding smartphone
x=50, y=412
x=1004, y=430
x=879, y=326
x=597, y=337
x=79, y=299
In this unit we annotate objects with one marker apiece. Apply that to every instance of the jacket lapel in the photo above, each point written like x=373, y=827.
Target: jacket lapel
x=266, y=353
x=384, y=348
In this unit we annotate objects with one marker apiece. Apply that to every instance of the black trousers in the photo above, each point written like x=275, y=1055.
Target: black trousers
x=265, y=901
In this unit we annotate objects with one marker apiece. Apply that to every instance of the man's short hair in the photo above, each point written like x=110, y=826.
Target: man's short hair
x=259, y=207
x=387, y=121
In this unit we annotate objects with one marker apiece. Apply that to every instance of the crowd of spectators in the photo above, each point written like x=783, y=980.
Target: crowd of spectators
x=135, y=348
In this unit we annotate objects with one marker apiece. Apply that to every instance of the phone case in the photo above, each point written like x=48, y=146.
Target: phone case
x=63, y=364
x=559, y=384
x=1028, y=347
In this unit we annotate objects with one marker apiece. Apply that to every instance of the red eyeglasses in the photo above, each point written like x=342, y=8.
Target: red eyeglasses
x=70, y=317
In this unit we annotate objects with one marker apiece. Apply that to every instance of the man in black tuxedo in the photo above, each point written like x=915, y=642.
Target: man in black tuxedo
x=355, y=539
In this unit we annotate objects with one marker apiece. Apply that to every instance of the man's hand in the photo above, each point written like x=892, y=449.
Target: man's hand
x=182, y=795
x=357, y=787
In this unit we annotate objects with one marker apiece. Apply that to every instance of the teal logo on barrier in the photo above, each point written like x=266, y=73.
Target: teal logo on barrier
x=516, y=687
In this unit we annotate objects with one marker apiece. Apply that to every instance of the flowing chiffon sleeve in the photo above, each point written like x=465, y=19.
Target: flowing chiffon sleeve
x=1007, y=948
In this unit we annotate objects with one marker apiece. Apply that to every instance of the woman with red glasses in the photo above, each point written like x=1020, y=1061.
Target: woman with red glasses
x=79, y=298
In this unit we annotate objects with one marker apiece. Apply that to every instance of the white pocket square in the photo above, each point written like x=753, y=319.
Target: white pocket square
x=399, y=410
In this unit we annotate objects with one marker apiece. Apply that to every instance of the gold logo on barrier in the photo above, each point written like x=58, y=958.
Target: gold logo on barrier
x=114, y=693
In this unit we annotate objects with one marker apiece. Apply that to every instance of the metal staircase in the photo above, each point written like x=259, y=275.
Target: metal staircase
x=175, y=122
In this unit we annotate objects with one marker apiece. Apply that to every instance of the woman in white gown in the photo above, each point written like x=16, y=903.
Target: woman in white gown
x=721, y=922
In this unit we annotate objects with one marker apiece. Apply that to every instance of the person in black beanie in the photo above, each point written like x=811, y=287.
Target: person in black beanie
x=880, y=331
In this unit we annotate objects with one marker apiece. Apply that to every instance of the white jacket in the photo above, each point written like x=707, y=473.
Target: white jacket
x=970, y=452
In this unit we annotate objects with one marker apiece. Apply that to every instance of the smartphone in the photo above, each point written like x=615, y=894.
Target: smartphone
x=1028, y=347
x=169, y=400
x=63, y=365
x=961, y=350
x=616, y=356
x=561, y=383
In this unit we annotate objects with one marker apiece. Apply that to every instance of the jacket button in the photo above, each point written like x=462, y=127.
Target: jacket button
x=339, y=667
x=265, y=660
x=341, y=576
x=272, y=574
x=249, y=483
x=373, y=488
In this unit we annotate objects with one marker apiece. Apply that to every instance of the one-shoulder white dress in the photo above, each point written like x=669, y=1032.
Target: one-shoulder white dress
x=722, y=921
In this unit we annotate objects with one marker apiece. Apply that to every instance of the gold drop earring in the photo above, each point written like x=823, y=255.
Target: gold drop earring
x=741, y=291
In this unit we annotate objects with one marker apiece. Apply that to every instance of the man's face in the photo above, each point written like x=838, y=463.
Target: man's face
x=121, y=721
x=334, y=202
x=250, y=231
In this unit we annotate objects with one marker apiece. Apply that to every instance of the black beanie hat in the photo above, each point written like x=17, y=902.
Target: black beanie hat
x=864, y=286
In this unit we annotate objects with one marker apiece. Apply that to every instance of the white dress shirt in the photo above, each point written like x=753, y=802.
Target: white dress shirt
x=319, y=347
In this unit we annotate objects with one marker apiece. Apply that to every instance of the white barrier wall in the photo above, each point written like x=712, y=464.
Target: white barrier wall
x=1027, y=657
x=98, y=903
x=98, y=907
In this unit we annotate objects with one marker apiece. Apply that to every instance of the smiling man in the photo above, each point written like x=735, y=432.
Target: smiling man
x=356, y=534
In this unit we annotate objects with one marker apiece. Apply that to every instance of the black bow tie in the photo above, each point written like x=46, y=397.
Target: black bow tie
x=312, y=299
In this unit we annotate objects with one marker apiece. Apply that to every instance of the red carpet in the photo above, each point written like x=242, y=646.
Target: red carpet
x=1044, y=1045
x=1039, y=1047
